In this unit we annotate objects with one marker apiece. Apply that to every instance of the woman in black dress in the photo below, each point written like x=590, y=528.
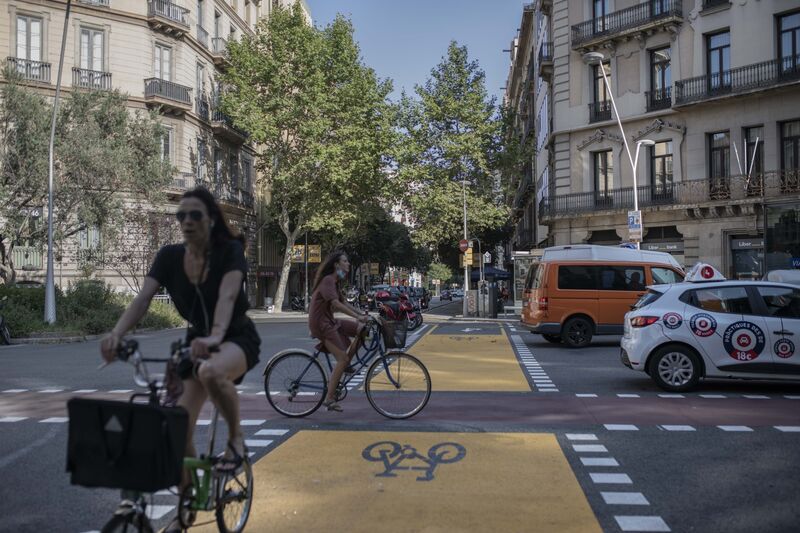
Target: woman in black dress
x=204, y=277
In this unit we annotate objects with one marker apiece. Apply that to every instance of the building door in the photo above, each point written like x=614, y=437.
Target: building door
x=747, y=257
x=718, y=64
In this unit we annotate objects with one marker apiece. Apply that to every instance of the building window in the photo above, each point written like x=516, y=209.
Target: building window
x=163, y=62
x=89, y=238
x=660, y=79
x=200, y=161
x=200, y=13
x=233, y=170
x=166, y=145
x=719, y=153
x=217, y=24
x=718, y=61
x=600, y=108
x=92, y=49
x=218, y=162
x=790, y=156
x=29, y=38
x=247, y=173
x=661, y=170
x=599, y=15
x=754, y=150
x=603, y=176
x=789, y=42
x=232, y=34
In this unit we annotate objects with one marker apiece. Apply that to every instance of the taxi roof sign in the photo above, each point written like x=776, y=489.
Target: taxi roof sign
x=702, y=272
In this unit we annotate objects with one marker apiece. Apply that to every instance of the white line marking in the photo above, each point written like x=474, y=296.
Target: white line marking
x=756, y=396
x=621, y=427
x=791, y=397
x=13, y=418
x=85, y=391
x=120, y=391
x=167, y=492
x=265, y=432
x=628, y=396
x=203, y=422
x=788, y=429
x=616, y=479
x=54, y=420
x=667, y=427
x=589, y=448
x=252, y=422
x=257, y=443
x=671, y=396
x=14, y=391
x=713, y=396
x=624, y=498
x=548, y=390
x=586, y=395
x=641, y=523
x=735, y=428
x=50, y=391
x=599, y=461
x=581, y=436
x=262, y=393
x=155, y=512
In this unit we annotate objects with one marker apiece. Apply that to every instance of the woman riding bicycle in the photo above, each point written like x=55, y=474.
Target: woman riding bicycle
x=333, y=334
x=204, y=277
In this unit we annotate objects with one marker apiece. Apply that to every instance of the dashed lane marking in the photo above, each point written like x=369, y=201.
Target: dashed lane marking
x=756, y=396
x=599, y=461
x=586, y=395
x=273, y=432
x=84, y=391
x=671, y=396
x=641, y=523
x=791, y=397
x=581, y=436
x=624, y=498
x=252, y=422
x=541, y=380
x=13, y=418
x=589, y=448
x=257, y=443
x=788, y=429
x=621, y=427
x=610, y=479
x=50, y=391
x=14, y=391
x=735, y=428
x=55, y=420
x=676, y=428
x=713, y=396
x=628, y=396
x=120, y=391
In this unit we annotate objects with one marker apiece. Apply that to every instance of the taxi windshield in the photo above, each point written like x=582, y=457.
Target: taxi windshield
x=647, y=298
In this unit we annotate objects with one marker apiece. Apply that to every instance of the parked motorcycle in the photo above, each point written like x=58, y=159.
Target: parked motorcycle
x=406, y=308
x=297, y=303
x=5, y=335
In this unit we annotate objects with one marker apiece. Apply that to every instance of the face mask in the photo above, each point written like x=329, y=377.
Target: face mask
x=340, y=273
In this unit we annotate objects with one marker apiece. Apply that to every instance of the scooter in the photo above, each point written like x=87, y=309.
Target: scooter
x=297, y=304
x=5, y=335
x=412, y=315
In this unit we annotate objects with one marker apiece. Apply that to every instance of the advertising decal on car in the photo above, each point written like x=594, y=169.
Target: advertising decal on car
x=672, y=320
x=703, y=325
x=784, y=348
x=744, y=341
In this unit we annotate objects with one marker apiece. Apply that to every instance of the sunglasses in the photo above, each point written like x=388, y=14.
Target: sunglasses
x=194, y=214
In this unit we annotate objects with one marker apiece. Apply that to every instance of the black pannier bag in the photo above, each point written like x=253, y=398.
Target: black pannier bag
x=125, y=445
x=394, y=334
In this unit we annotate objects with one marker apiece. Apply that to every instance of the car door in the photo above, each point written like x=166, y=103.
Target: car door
x=619, y=287
x=725, y=327
x=780, y=307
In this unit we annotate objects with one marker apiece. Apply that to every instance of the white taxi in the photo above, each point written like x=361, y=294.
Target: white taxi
x=710, y=327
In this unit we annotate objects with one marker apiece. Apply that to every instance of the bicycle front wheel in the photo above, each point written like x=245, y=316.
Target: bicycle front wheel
x=234, y=499
x=295, y=384
x=398, y=385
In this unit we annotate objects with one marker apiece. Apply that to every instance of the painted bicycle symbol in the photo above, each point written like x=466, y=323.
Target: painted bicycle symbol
x=405, y=457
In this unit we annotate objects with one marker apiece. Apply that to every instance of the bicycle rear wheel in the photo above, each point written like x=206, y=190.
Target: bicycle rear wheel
x=234, y=499
x=398, y=385
x=295, y=384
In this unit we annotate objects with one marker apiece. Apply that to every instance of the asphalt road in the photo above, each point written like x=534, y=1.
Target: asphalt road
x=723, y=458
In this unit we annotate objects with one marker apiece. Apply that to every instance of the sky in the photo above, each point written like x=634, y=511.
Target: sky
x=404, y=39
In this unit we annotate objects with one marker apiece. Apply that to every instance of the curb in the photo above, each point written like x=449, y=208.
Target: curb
x=76, y=338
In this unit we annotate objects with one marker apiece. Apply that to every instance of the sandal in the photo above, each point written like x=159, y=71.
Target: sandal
x=229, y=465
x=350, y=369
x=332, y=405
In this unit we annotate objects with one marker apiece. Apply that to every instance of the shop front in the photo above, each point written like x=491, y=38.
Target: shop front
x=782, y=236
x=747, y=257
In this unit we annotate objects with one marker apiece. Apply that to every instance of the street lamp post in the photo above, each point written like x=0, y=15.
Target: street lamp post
x=596, y=58
x=465, y=307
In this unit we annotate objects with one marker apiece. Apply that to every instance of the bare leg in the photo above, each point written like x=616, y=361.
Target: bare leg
x=342, y=360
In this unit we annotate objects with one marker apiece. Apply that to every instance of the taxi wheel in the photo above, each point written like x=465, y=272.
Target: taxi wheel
x=675, y=368
x=555, y=339
x=577, y=332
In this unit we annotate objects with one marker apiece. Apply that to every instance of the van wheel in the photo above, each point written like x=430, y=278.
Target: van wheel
x=675, y=368
x=549, y=337
x=577, y=332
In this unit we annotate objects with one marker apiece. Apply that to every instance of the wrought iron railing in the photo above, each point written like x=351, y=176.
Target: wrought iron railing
x=29, y=69
x=27, y=258
x=546, y=52
x=91, y=79
x=169, y=11
x=218, y=117
x=600, y=111
x=626, y=19
x=658, y=99
x=156, y=87
x=219, y=46
x=737, y=80
x=773, y=184
x=202, y=36
x=202, y=107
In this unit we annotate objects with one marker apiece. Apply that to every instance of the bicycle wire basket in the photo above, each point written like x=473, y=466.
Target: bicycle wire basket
x=394, y=333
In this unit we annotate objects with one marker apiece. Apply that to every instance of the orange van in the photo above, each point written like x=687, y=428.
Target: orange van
x=576, y=292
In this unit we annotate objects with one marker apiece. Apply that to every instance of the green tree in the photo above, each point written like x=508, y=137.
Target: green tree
x=451, y=138
x=321, y=117
x=104, y=157
x=440, y=271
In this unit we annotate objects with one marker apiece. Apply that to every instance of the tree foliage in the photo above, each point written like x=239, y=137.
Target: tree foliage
x=440, y=271
x=104, y=156
x=321, y=117
x=451, y=139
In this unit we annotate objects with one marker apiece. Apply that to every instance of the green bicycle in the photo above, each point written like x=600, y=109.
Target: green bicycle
x=229, y=496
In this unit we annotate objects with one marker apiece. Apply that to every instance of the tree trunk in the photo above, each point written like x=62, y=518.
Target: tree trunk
x=284, y=279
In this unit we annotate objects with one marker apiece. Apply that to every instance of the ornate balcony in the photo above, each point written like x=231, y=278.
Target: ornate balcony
x=545, y=60
x=91, y=79
x=27, y=258
x=711, y=194
x=223, y=127
x=202, y=108
x=750, y=78
x=219, y=51
x=599, y=111
x=658, y=99
x=626, y=23
x=35, y=71
x=202, y=36
x=170, y=18
x=171, y=96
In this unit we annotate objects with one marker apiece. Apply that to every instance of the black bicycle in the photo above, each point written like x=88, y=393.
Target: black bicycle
x=397, y=384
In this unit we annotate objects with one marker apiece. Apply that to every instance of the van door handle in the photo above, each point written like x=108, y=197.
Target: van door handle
x=784, y=332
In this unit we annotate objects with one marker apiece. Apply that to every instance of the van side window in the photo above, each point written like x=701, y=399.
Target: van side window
x=662, y=276
x=577, y=277
x=723, y=300
x=619, y=278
